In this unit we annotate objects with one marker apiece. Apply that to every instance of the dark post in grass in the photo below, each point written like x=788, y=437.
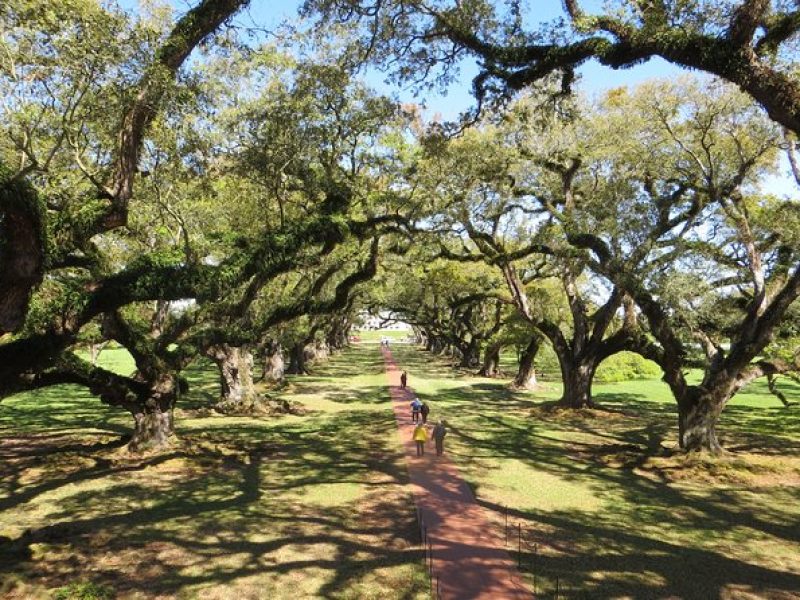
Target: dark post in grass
x=429, y=568
x=506, y=513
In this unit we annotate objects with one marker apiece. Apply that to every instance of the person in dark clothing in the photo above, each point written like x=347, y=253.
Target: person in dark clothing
x=439, y=431
x=424, y=410
x=403, y=379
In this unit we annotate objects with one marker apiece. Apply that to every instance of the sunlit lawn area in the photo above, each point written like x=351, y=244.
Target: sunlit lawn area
x=313, y=505
x=611, y=510
x=295, y=506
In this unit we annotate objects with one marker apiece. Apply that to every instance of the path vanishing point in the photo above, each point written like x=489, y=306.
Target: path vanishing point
x=469, y=558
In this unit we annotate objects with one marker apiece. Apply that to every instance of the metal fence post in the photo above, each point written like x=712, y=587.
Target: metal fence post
x=506, y=512
x=429, y=567
x=419, y=522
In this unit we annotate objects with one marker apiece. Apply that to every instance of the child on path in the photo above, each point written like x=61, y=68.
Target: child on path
x=439, y=431
x=416, y=406
x=403, y=379
x=424, y=410
x=420, y=437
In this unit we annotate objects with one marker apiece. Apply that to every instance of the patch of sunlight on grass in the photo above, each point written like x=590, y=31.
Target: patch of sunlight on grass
x=385, y=584
x=328, y=494
x=522, y=486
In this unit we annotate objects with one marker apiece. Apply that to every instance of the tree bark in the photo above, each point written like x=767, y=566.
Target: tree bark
x=491, y=361
x=470, y=355
x=154, y=429
x=22, y=253
x=698, y=414
x=297, y=360
x=154, y=424
x=274, y=365
x=337, y=337
x=320, y=351
x=436, y=345
x=235, y=364
x=577, y=378
x=526, y=373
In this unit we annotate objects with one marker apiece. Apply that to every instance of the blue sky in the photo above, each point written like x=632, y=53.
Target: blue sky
x=594, y=78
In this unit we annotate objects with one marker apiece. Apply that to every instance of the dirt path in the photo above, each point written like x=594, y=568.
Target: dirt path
x=468, y=557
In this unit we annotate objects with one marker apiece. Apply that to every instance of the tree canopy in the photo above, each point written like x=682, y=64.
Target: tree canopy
x=169, y=184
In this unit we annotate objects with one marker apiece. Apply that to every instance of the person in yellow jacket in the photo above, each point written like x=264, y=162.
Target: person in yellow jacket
x=420, y=437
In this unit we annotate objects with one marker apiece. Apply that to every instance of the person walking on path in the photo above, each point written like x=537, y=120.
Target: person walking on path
x=424, y=410
x=420, y=437
x=403, y=380
x=416, y=406
x=439, y=431
x=471, y=560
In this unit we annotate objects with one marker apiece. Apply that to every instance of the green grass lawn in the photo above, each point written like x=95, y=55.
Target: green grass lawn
x=605, y=505
x=314, y=505
x=295, y=506
x=376, y=335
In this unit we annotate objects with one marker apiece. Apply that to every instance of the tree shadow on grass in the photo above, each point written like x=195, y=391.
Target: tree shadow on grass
x=250, y=499
x=586, y=543
x=633, y=565
x=652, y=533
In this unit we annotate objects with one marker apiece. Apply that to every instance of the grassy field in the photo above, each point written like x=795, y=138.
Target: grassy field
x=297, y=506
x=604, y=504
x=314, y=505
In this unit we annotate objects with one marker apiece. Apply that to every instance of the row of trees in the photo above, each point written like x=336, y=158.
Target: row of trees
x=181, y=211
x=637, y=224
x=240, y=202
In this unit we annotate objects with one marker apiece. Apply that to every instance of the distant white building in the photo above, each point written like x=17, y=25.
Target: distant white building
x=383, y=321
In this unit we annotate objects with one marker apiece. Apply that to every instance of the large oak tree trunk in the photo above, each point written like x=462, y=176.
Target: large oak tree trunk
x=154, y=428
x=320, y=351
x=338, y=336
x=698, y=414
x=297, y=360
x=470, y=355
x=274, y=365
x=22, y=253
x=491, y=361
x=577, y=378
x=154, y=425
x=237, y=392
x=526, y=373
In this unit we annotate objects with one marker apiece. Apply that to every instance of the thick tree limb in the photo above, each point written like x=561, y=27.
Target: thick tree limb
x=197, y=24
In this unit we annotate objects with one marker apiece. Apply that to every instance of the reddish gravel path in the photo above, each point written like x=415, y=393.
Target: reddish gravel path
x=468, y=556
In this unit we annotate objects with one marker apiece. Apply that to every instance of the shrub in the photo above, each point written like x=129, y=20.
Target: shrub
x=84, y=590
x=625, y=366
